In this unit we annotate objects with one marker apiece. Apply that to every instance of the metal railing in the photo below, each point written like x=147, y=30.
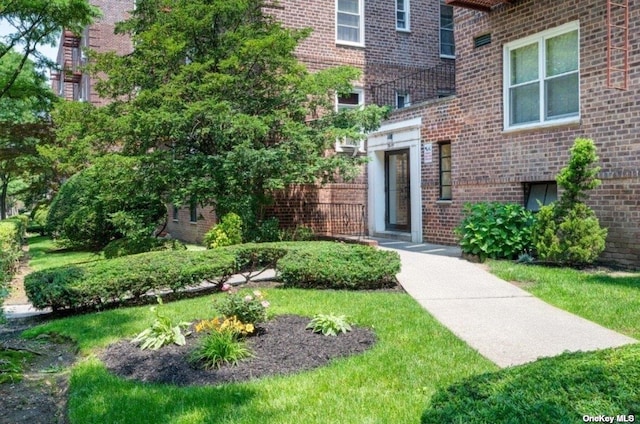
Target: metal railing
x=426, y=84
x=346, y=219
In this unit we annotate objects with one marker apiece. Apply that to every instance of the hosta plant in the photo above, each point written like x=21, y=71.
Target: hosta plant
x=329, y=325
x=162, y=332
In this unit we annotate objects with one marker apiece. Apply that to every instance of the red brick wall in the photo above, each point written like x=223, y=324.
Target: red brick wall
x=185, y=230
x=490, y=164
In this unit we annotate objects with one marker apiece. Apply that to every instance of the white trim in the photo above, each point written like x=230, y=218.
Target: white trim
x=538, y=38
x=351, y=147
x=407, y=16
x=360, y=42
x=404, y=135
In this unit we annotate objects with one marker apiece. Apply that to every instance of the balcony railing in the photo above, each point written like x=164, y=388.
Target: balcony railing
x=426, y=84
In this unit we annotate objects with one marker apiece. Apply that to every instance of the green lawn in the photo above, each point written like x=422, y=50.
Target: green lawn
x=391, y=383
x=610, y=299
x=45, y=253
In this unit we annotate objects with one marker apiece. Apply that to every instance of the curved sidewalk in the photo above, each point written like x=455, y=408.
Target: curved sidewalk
x=507, y=325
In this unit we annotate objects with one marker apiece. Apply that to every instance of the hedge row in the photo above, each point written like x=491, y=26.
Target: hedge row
x=101, y=282
x=12, y=232
x=302, y=264
x=562, y=389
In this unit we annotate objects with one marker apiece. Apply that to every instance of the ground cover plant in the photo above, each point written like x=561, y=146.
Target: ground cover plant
x=563, y=389
x=389, y=383
x=612, y=299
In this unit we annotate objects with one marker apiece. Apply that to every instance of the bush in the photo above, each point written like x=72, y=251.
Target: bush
x=12, y=232
x=573, y=239
x=226, y=233
x=562, y=389
x=97, y=283
x=125, y=246
x=335, y=265
x=495, y=230
x=569, y=232
x=110, y=200
x=248, y=308
x=38, y=219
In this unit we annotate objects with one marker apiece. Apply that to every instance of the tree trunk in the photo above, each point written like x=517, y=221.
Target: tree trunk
x=3, y=199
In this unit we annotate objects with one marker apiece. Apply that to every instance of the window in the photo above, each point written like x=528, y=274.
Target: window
x=193, y=211
x=539, y=194
x=352, y=100
x=541, y=79
x=402, y=15
x=447, y=43
x=403, y=99
x=445, y=171
x=349, y=28
x=174, y=213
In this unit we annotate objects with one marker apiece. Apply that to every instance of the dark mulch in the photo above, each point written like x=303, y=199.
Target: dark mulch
x=283, y=346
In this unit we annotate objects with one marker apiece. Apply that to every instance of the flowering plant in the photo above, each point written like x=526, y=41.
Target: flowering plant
x=232, y=324
x=247, y=308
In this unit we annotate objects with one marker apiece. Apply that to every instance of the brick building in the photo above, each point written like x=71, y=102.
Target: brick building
x=395, y=44
x=531, y=76
x=71, y=82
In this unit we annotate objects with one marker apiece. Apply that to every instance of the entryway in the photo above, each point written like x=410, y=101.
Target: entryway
x=397, y=191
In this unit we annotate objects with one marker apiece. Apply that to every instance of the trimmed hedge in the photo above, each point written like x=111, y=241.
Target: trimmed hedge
x=562, y=389
x=12, y=232
x=334, y=265
x=97, y=283
x=300, y=264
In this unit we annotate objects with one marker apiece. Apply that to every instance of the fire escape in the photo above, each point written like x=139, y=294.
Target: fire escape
x=482, y=5
x=618, y=44
x=70, y=72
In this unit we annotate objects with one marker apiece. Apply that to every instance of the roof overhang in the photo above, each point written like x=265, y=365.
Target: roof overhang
x=482, y=5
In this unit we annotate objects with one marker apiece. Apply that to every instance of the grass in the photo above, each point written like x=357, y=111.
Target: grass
x=391, y=383
x=609, y=299
x=562, y=389
x=12, y=363
x=45, y=253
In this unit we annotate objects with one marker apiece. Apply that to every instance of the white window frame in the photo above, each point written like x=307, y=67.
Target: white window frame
x=539, y=38
x=344, y=145
x=360, y=42
x=440, y=28
x=407, y=16
x=407, y=99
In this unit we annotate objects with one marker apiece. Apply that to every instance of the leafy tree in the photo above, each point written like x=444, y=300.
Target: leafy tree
x=37, y=22
x=215, y=91
x=109, y=200
x=23, y=126
x=568, y=232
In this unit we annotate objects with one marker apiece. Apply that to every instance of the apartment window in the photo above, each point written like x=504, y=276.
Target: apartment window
x=445, y=171
x=542, y=78
x=447, y=43
x=403, y=99
x=352, y=100
x=193, y=211
x=402, y=15
x=174, y=213
x=540, y=194
x=349, y=22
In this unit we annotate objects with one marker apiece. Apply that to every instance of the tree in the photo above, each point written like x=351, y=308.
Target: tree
x=109, y=200
x=23, y=125
x=215, y=91
x=568, y=231
x=38, y=22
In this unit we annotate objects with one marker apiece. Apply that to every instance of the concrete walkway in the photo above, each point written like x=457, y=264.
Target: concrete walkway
x=505, y=324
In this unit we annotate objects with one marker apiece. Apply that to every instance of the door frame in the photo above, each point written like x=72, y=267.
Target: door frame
x=388, y=225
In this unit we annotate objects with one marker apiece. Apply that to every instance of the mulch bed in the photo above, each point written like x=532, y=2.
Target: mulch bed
x=283, y=346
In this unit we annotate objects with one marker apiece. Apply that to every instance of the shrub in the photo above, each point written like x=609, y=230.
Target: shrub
x=248, y=308
x=96, y=283
x=495, y=230
x=268, y=231
x=112, y=199
x=226, y=233
x=562, y=389
x=329, y=325
x=38, y=219
x=126, y=246
x=569, y=232
x=12, y=232
x=574, y=239
x=337, y=266
x=218, y=348
x=162, y=331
